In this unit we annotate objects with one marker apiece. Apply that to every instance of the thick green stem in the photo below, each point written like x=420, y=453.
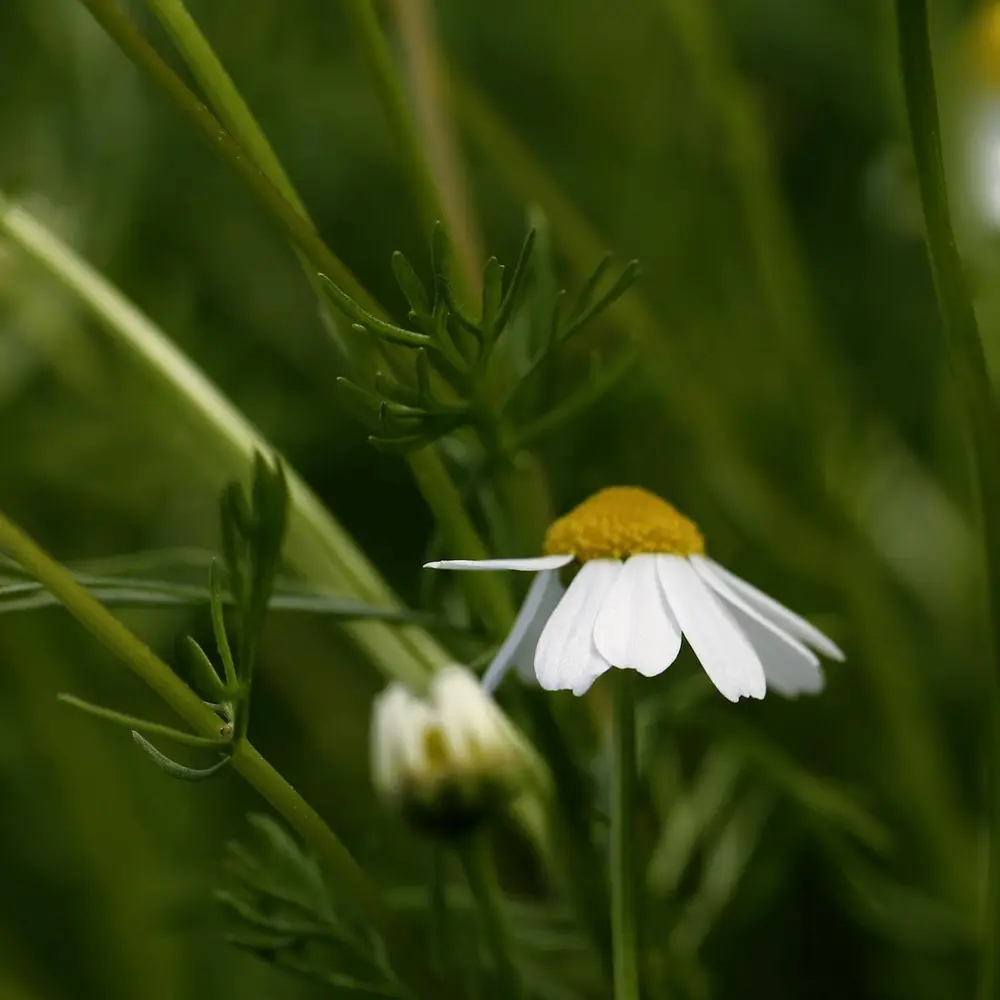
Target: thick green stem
x=624, y=895
x=349, y=876
x=481, y=876
x=969, y=365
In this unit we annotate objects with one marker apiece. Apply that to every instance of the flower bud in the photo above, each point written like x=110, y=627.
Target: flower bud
x=446, y=761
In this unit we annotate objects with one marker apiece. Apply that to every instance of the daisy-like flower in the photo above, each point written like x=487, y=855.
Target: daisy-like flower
x=645, y=582
x=448, y=760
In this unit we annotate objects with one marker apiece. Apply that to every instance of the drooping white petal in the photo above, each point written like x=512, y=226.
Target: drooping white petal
x=566, y=657
x=526, y=565
x=724, y=651
x=524, y=658
x=787, y=620
x=519, y=646
x=789, y=666
x=636, y=627
x=787, y=671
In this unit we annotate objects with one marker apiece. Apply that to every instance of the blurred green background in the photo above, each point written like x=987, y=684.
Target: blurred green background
x=793, y=397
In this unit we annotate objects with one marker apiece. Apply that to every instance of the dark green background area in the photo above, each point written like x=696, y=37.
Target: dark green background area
x=792, y=397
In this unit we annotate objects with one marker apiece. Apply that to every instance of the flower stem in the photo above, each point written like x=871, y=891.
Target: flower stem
x=481, y=876
x=349, y=876
x=624, y=899
x=438, y=900
x=971, y=374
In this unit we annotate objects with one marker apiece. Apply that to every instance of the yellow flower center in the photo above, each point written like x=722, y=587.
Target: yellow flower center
x=622, y=521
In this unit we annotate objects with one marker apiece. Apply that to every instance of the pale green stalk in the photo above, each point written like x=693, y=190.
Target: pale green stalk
x=625, y=900
x=374, y=48
x=427, y=76
x=316, y=546
x=347, y=875
x=972, y=377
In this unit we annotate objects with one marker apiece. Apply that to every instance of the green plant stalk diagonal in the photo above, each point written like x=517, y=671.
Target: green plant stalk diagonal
x=489, y=594
x=971, y=374
x=349, y=876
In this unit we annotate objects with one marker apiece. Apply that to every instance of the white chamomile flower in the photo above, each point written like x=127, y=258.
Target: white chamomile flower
x=644, y=582
x=448, y=759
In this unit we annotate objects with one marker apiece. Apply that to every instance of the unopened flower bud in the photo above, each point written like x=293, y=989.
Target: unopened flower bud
x=446, y=761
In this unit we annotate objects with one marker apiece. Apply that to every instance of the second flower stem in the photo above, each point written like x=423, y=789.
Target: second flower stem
x=624, y=896
x=481, y=876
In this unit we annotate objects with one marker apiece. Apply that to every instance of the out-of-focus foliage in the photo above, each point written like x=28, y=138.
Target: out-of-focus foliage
x=791, y=396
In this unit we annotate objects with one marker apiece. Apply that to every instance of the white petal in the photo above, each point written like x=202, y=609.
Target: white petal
x=785, y=619
x=524, y=658
x=636, y=627
x=789, y=666
x=539, y=603
x=724, y=651
x=469, y=719
x=787, y=671
x=388, y=713
x=528, y=565
x=566, y=657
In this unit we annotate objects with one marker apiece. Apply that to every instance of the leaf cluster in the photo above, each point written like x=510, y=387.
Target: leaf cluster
x=280, y=910
x=450, y=382
x=253, y=531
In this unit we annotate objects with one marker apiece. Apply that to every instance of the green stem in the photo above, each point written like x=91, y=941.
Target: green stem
x=437, y=892
x=481, y=876
x=374, y=48
x=489, y=594
x=971, y=374
x=223, y=95
x=624, y=899
x=109, y=631
x=429, y=85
